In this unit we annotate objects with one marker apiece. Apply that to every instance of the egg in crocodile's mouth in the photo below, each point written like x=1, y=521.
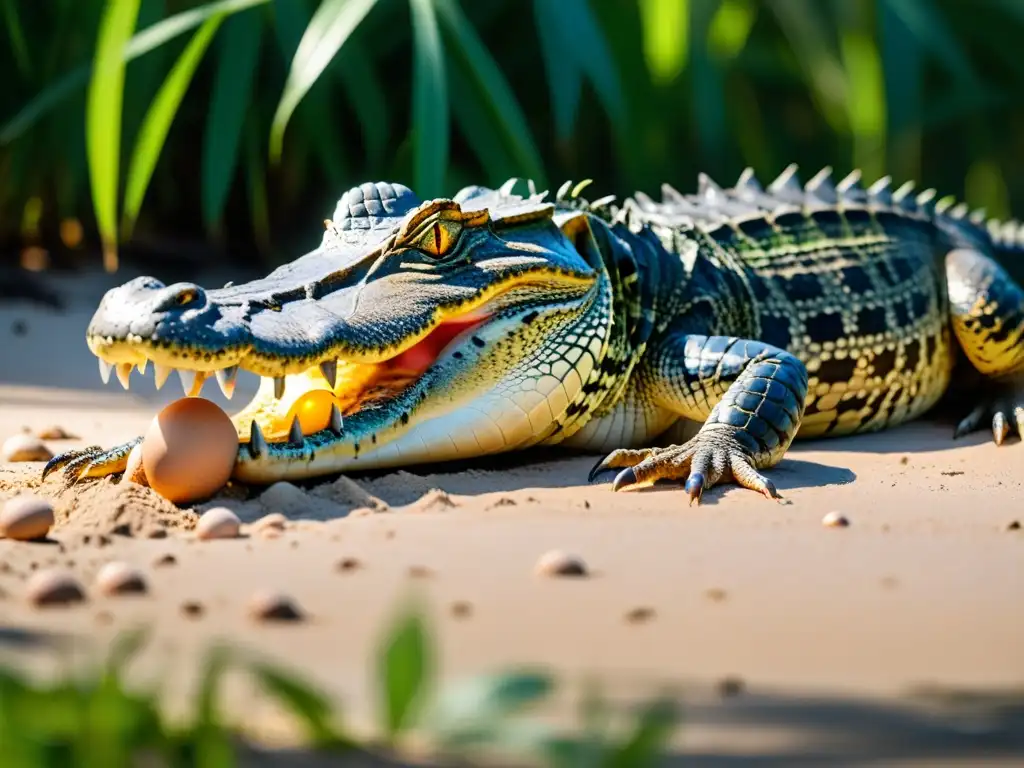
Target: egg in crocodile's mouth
x=308, y=401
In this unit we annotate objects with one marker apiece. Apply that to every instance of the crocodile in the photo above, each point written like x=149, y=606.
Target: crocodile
x=491, y=321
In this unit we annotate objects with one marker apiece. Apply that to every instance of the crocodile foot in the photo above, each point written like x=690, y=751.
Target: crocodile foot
x=93, y=461
x=705, y=460
x=1003, y=410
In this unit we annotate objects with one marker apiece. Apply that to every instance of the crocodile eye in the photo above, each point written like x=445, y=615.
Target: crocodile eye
x=186, y=297
x=439, y=238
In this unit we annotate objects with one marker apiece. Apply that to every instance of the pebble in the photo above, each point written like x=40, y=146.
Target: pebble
x=348, y=564
x=273, y=606
x=118, y=578
x=640, y=614
x=26, y=518
x=559, y=563
x=462, y=609
x=134, y=471
x=54, y=433
x=24, y=448
x=54, y=587
x=274, y=520
x=218, y=523
x=192, y=609
x=834, y=520
x=1014, y=525
x=167, y=559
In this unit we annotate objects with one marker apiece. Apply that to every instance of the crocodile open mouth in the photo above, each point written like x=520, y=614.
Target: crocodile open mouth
x=322, y=395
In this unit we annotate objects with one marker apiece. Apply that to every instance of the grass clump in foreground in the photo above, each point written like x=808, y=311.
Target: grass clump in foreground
x=99, y=720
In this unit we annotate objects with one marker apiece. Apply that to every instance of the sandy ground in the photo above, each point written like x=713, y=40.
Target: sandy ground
x=897, y=639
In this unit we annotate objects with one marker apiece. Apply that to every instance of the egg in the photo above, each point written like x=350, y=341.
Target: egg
x=313, y=409
x=189, y=450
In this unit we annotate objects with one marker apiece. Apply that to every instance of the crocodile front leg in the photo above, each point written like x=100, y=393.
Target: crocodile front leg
x=93, y=461
x=750, y=396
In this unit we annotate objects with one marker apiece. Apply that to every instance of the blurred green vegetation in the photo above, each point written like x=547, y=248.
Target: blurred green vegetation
x=240, y=122
x=102, y=719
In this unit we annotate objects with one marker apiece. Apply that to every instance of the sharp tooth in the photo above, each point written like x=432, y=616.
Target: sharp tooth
x=160, y=374
x=226, y=380
x=141, y=367
x=105, y=369
x=191, y=382
x=329, y=368
x=337, y=425
x=124, y=374
x=257, y=443
x=278, y=387
x=295, y=432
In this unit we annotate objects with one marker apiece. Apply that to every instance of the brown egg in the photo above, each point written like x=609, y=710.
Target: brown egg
x=134, y=471
x=189, y=450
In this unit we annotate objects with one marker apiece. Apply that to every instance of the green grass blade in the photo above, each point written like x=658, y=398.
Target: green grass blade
x=665, y=37
x=367, y=97
x=405, y=670
x=647, y=744
x=229, y=103
x=142, y=43
x=16, y=33
x=103, y=119
x=327, y=32
x=492, y=90
x=866, y=105
x=160, y=116
x=565, y=78
x=309, y=707
x=930, y=27
x=583, y=33
x=430, y=107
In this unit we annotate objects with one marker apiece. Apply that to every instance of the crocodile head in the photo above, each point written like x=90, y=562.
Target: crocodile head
x=415, y=332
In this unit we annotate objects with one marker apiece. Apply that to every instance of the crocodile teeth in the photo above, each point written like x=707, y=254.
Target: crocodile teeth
x=226, y=379
x=105, y=369
x=329, y=368
x=160, y=374
x=295, y=431
x=124, y=374
x=336, y=424
x=141, y=367
x=191, y=382
x=278, y=387
x=257, y=443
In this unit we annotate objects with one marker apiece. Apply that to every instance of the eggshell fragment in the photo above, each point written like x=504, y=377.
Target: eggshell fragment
x=134, y=471
x=53, y=587
x=117, y=578
x=835, y=520
x=189, y=450
x=218, y=523
x=26, y=517
x=24, y=448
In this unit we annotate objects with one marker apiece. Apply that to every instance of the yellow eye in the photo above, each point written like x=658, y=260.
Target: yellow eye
x=439, y=238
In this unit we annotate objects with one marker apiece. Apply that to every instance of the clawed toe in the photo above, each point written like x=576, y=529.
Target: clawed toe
x=1006, y=418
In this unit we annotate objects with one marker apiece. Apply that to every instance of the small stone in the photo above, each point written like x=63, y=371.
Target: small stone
x=559, y=563
x=462, y=609
x=192, y=609
x=24, y=448
x=117, y=578
x=640, y=614
x=716, y=595
x=54, y=432
x=134, y=471
x=274, y=606
x=164, y=560
x=348, y=565
x=420, y=572
x=1014, y=525
x=54, y=587
x=274, y=520
x=218, y=523
x=834, y=520
x=731, y=686
x=26, y=518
